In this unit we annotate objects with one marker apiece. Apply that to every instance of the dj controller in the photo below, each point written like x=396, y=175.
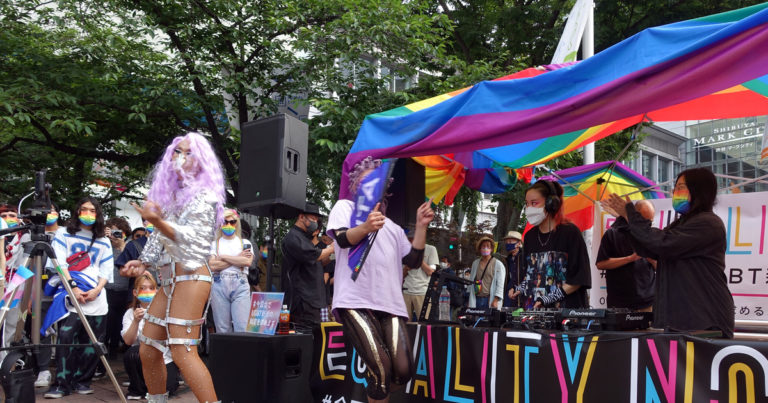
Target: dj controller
x=557, y=319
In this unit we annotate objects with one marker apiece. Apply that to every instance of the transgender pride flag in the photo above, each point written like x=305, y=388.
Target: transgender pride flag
x=21, y=275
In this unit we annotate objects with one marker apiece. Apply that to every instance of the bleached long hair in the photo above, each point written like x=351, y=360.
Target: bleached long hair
x=204, y=173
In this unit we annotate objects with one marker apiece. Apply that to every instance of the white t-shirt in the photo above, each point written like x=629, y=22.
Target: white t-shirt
x=417, y=281
x=127, y=320
x=102, y=263
x=229, y=247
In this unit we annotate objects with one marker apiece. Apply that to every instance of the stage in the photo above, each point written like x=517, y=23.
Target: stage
x=484, y=365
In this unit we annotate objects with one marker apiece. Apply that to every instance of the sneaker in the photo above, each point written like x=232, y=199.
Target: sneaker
x=55, y=393
x=134, y=397
x=83, y=389
x=98, y=374
x=43, y=379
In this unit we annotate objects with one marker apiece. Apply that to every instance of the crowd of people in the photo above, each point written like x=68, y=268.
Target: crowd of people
x=146, y=291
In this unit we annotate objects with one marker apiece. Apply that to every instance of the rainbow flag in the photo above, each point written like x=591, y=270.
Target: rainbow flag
x=708, y=68
x=594, y=182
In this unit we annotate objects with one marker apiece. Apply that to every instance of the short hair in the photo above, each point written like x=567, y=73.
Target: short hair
x=137, y=229
x=120, y=223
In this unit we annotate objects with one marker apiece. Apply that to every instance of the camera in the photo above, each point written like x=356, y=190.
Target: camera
x=117, y=234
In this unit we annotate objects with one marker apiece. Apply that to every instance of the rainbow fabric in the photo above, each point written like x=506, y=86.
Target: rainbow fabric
x=681, y=201
x=87, y=219
x=228, y=229
x=598, y=181
x=146, y=296
x=707, y=68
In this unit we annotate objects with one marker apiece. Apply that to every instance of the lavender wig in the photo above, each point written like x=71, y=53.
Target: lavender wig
x=203, y=173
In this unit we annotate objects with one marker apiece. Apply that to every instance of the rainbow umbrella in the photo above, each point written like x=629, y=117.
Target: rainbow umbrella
x=587, y=184
x=713, y=67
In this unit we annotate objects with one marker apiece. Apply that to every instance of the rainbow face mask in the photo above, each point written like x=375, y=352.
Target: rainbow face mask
x=12, y=222
x=264, y=254
x=51, y=219
x=228, y=229
x=150, y=228
x=87, y=219
x=681, y=201
x=146, y=296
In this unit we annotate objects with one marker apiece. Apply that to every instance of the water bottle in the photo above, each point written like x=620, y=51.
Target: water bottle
x=284, y=324
x=445, y=304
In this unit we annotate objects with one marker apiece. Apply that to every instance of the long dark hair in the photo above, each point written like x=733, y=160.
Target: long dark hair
x=73, y=226
x=702, y=187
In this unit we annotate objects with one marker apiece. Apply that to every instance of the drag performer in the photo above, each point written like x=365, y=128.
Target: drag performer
x=184, y=204
x=691, y=285
x=372, y=309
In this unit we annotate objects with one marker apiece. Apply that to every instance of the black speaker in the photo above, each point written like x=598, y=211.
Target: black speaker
x=273, y=166
x=407, y=192
x=249, y=367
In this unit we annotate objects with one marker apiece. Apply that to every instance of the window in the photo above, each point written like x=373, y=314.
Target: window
x=647, y=165
x=663, y=171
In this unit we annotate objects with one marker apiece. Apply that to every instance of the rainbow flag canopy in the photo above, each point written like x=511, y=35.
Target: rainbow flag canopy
x=586, y=184
x=714, y=67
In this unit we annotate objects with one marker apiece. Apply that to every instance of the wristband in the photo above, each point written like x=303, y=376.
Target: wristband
x=72, y=283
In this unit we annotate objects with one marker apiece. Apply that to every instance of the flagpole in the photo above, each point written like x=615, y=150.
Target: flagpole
x=588, y=50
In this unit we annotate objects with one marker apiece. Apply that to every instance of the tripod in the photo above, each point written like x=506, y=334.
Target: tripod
x=38, y=247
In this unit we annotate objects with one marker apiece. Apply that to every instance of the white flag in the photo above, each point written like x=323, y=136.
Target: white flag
x=569, y=43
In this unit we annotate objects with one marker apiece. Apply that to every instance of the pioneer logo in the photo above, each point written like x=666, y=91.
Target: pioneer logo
x=583, y=314
x=638, y=317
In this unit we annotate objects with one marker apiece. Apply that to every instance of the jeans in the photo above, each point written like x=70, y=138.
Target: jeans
x=230, y=302
x=482, y=302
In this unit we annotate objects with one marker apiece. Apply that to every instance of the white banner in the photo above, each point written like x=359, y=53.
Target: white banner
x=569, y=43
x=746, y=257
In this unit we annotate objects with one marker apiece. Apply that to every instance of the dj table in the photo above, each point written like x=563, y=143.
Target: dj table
x=458, y=364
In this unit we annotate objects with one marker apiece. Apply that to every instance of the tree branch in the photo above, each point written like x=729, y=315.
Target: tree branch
x=456, y=35
x=82, y=152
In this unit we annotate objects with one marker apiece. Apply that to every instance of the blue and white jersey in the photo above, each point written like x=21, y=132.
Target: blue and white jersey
x=102, y=263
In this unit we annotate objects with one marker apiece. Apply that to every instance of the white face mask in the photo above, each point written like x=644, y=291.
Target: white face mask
x=178, y=163
x=443, y=265
x=535, y=215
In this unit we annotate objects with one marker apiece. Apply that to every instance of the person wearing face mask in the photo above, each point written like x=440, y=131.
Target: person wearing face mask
x=487, y=276
x=629, y=277
x=555, y=258
x=85, y=232
x=513, y=244
x=302, y=271
x=231, y=256
x=691, y=285
x=133, y=323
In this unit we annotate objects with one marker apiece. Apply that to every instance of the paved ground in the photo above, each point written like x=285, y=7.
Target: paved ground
x=105, y=392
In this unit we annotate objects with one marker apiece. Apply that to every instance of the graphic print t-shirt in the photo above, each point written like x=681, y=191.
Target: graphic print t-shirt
x=553, y=259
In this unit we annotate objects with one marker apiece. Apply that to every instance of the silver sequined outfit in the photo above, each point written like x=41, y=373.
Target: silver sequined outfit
x=193, y=228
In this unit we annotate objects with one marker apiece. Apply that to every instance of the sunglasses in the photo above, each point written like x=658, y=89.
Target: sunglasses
x=232, y=222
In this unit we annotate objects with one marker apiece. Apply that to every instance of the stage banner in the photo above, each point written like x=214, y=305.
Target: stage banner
x=746, y=257
x=467, y=365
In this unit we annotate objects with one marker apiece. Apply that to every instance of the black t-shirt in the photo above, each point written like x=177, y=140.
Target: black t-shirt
x=555, y=258
x=132, y=252
x=691, y=286
x=329, y=268
x=630, y=285
x=302, y=273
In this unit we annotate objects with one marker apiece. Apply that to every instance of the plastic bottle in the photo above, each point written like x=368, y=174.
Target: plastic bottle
x=445, y=304
x=284, y=324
